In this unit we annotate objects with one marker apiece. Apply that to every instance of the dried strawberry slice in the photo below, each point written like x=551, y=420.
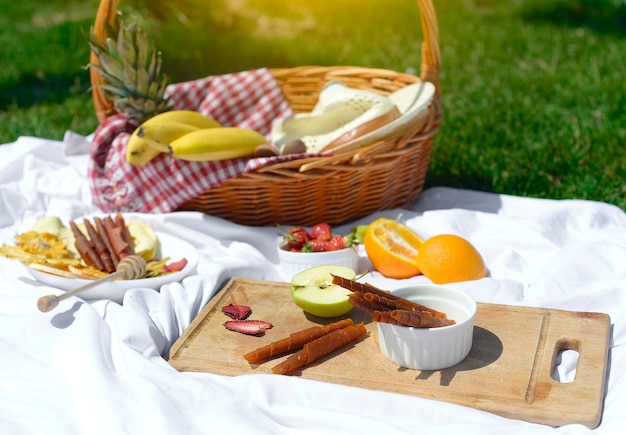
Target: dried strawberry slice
x=237, y=312
x=249, y=327
x=175, y=266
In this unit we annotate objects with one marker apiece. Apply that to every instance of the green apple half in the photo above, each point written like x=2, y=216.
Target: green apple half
x=313, y=290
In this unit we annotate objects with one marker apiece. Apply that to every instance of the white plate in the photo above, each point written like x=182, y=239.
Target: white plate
x=169, y=246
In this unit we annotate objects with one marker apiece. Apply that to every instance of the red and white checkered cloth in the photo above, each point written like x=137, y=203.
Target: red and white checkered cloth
x=250, y=99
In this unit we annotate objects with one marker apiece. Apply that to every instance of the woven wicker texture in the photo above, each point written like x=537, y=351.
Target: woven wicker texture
x=335, y=189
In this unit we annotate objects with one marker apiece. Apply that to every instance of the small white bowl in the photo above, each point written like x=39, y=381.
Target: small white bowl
x=431, y=348
x=295, y=262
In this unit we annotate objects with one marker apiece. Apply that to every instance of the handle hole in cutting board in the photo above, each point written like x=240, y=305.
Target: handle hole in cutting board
x=565, y=360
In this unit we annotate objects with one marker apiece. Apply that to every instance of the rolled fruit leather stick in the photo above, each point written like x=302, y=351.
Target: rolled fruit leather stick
x=294, y=341
x=115, y=234
x=98, y=243
x=85, y=248
x=320, y=347
x=105, y=238
x=119, y=219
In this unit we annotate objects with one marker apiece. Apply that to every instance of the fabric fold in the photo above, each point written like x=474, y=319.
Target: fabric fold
x=100, y=367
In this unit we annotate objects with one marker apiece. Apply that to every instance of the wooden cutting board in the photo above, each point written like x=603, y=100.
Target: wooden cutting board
x=508, y=371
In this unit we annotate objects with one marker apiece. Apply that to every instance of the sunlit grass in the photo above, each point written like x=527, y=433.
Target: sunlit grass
x=533, y=95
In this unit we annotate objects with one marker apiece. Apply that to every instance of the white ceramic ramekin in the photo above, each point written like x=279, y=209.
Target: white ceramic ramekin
x=295, y=262
x=431, y=348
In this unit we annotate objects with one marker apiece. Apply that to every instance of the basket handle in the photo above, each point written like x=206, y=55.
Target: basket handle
x=105, y=15
x=431, y=56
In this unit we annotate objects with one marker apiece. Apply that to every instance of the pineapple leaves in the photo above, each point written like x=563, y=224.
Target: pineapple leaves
x=132, y=69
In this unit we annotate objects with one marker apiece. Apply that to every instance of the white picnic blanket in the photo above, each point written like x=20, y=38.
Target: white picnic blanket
x=99, y=368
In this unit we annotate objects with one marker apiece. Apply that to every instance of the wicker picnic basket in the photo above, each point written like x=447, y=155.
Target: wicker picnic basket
x=334, y=189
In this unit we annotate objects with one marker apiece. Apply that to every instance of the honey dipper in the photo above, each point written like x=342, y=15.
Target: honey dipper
x=130, y=267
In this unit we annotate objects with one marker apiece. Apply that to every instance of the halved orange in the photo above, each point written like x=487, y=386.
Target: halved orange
x=392, y=248
x=447, y=258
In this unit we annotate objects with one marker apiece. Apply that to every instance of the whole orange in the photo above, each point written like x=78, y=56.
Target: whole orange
x=392, y=248
x=449, y=258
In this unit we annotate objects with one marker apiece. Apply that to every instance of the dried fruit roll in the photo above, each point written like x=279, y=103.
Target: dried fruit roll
x=105, y=238
x=390, y=304
x=384, y=317
x=85, y=248
x=100, y=247
x=319, y=348
x=358, y=287
x=295, y=341
x=419, y=319
x=116, y=235
x=410, y=305
x=361, y=303
x=121, y=222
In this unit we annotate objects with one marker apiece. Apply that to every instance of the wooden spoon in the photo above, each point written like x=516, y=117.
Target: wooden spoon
x=130, y=267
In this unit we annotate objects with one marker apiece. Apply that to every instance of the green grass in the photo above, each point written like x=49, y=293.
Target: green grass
x=533, y=90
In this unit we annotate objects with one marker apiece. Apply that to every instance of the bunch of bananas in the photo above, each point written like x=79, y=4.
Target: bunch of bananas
x=191, y=136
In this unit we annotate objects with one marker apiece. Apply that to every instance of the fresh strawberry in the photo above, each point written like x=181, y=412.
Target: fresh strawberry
x=336, y=243
x=321, y=231
x=295, y=238
x=316, y=245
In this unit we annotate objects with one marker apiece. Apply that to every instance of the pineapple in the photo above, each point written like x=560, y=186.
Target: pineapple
x=131, y=68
